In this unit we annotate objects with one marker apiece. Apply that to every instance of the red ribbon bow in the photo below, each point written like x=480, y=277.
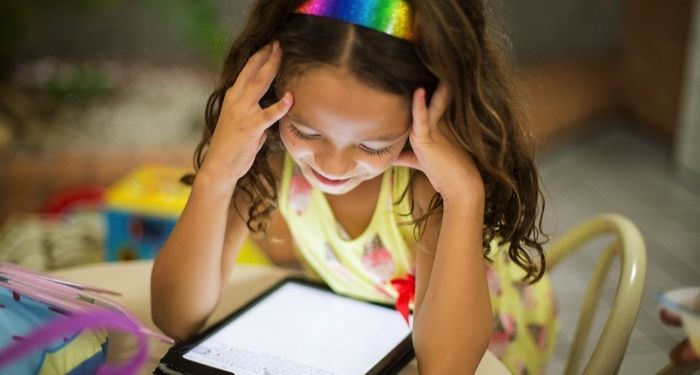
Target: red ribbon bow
x=406, y=287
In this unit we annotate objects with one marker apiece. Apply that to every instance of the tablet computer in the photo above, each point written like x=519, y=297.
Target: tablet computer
x=298, y=327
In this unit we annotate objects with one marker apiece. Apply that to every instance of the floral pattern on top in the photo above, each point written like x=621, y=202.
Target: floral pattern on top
x=378, y=260
x=539, y=335
x=531, y=308
x=504, y=332
x=493, y=280
x=335, y=263
x=527, y=294
x=299, y=194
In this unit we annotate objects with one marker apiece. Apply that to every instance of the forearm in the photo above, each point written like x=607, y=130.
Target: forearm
x=454, y=324
x=187, y=274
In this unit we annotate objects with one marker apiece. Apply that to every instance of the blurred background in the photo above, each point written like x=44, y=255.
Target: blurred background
x=92, y=90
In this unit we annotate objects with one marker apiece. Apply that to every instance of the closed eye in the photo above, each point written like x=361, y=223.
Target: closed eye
x=377, y=152
x=301, y=135
x=370, y=151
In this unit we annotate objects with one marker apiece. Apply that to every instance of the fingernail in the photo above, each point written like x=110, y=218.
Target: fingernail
x=275, y=46
x=287, y=98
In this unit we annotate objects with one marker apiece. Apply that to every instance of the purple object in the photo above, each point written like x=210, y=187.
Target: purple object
x=68, y=325
x=79, y=307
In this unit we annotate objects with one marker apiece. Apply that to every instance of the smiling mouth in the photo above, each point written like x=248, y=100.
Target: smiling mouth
x=328, y=181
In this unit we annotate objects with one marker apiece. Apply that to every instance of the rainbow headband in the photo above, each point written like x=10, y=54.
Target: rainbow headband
x=391, y=17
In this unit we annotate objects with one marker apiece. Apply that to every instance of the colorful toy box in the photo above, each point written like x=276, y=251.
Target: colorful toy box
x=141, y=210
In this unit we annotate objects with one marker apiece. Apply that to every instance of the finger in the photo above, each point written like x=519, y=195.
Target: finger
x=438, y=104
x=251, y=68
x=273, y=113
x=669, y=318
x=683, y=353
x=259, y=85
x=408, y=158
x=420, y=114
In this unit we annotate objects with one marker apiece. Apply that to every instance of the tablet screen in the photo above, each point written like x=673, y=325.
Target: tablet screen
x=300, y=329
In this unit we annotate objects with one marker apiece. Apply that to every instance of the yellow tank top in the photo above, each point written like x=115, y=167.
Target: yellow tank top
x=525, y=316
x=360, y=267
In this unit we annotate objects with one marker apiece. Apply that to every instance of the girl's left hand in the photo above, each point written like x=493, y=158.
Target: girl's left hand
x=448, y=166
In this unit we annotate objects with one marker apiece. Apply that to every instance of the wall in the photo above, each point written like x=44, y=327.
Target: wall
x=654, y=48
x=553, y=29
x=687, y=145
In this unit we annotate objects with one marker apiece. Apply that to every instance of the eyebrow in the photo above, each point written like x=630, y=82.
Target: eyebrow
x=388, y=138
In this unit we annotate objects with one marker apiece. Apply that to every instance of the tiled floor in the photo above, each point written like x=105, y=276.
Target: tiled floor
x=617, y=168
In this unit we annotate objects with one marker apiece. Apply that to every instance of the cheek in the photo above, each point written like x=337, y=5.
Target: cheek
x=377, y=165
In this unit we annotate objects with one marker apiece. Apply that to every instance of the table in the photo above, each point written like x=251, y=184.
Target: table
x=132, y=280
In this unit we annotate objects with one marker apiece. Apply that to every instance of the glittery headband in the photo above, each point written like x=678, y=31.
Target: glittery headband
x=391, y=17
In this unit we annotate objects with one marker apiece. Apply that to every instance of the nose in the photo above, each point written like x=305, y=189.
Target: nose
x=334, y=163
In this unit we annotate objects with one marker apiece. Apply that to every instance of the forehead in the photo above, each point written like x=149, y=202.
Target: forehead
x=331, y=99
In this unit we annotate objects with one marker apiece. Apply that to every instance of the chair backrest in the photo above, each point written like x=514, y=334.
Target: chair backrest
x=628, y=246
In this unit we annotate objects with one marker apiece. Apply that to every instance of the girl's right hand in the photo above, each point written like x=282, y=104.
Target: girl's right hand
x=240, y=129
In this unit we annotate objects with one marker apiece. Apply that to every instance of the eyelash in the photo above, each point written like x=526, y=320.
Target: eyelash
x=380, y=152
x=297, y=133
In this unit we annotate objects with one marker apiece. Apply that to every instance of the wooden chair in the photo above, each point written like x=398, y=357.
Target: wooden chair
x=628, y=246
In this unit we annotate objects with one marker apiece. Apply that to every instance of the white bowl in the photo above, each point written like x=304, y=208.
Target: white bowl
x=685, y=302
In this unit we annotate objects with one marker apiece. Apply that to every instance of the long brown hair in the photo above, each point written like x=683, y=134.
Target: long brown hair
x=454, y=46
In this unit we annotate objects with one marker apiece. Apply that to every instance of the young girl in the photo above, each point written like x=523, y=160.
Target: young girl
x=376, y=144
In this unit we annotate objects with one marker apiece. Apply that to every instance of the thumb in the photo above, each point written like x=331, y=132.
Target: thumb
x=408, y=158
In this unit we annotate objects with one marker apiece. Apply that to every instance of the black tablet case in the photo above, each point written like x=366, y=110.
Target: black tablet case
x=390, y=364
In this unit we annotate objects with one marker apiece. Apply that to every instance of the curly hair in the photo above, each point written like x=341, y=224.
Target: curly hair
x=454, y=45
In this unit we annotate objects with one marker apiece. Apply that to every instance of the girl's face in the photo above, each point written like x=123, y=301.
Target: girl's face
x=340, y=131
